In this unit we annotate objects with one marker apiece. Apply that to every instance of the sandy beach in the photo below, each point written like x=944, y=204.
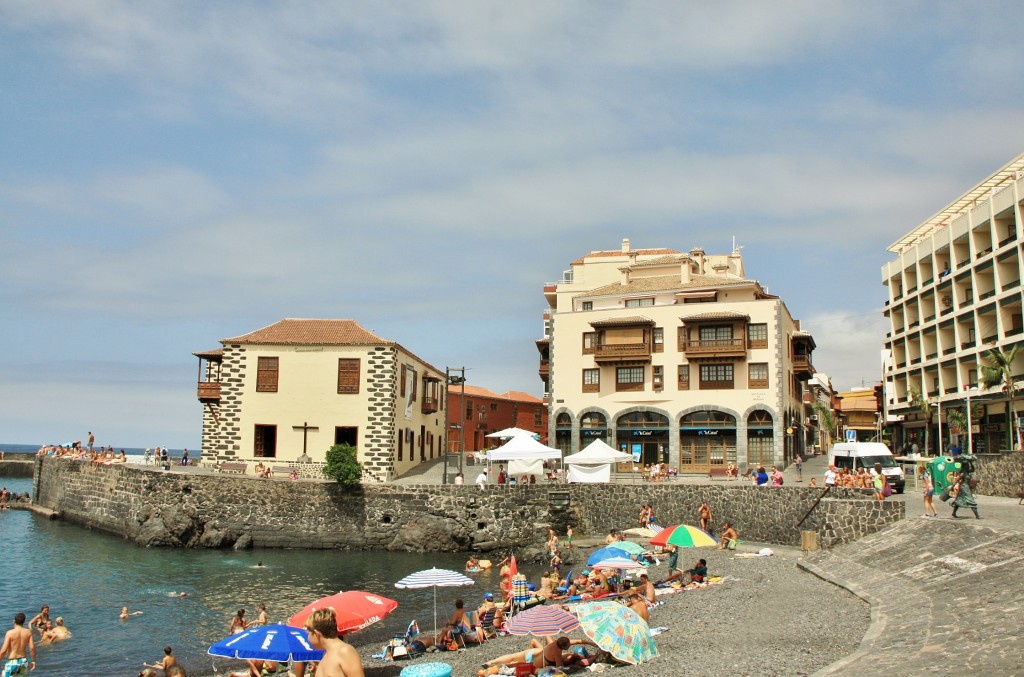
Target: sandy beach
x=766, y=618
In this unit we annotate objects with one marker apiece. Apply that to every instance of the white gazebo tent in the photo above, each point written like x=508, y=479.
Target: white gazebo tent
x=593, y=464
x=525, y=455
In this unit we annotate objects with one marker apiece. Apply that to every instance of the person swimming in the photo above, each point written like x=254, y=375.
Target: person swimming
x=125, y=615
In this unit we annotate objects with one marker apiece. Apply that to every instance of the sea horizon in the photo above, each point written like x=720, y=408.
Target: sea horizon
x=9, y=448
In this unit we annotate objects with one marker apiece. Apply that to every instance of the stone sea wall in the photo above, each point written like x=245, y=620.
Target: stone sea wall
x=1001, y=475
x=157, y=508
x=16, y=468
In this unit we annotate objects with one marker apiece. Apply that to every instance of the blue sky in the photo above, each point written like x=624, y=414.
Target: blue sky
x=173, y=173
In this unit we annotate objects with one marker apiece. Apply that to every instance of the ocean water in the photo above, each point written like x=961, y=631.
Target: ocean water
x=87, y=576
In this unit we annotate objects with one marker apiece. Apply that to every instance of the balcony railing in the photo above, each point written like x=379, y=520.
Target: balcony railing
x=429, y=405
x=735, y=347
x=618, y=352
x=757, y=383
x=209, y=390
x=802, y=364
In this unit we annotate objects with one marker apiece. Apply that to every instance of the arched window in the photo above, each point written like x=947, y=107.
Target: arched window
x=760, y=419
x=593, y=420
x=642, y=419
x=564, y=420
x=707, y=419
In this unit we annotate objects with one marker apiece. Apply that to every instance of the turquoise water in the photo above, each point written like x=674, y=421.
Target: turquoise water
x=87, y=576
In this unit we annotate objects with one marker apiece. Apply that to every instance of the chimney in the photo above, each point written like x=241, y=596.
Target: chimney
x=625, y=245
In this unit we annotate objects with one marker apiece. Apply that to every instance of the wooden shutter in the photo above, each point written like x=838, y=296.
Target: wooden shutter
x=348, y=375
x=266, y=375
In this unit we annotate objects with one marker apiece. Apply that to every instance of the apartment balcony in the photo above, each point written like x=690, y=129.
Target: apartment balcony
x=544, y=370
x=429, y=405
x=802, y=366
x=714, y=348
x=622, y=352
x=209, y=391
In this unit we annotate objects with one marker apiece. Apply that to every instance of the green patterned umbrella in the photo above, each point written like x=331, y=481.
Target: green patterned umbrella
x=618, y=630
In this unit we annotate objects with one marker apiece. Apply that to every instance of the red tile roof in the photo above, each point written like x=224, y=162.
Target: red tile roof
x=300, y=332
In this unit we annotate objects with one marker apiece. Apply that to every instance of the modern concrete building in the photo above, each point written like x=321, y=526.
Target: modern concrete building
x=481, y=412
x=676, y=357
x=288, y=392
x=954, y=293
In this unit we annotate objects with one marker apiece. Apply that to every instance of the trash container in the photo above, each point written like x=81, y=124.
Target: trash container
x=808, y=541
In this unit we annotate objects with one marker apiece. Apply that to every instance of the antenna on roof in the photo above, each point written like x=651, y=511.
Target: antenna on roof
x=735, y=247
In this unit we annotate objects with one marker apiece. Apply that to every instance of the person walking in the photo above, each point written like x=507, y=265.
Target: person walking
x=928, y=491
x=962, y=496
x=704, y=512
x=799, y=463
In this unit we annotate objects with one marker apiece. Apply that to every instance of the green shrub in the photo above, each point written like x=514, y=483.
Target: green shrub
x=343, y=466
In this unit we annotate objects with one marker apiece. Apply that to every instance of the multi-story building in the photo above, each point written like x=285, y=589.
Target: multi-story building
x=290, y=391
x=483, y=412
x=954, y=293
x=675, y=357
x=859, y=411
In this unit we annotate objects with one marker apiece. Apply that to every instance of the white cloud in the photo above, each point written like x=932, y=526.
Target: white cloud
x=848, y=346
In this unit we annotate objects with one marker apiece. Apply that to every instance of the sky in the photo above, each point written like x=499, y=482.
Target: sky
x=175, y=173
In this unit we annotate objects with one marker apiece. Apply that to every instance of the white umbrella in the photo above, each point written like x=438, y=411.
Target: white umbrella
x=434, y=578
x=620, y=563
x=512, y=432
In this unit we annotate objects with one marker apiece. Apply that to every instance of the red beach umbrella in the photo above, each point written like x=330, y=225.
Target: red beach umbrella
x=354, y=610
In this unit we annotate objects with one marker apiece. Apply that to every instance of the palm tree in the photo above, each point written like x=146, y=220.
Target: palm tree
x=956, y=417
x=826, y=422
x=999, y=372
x=923, y=404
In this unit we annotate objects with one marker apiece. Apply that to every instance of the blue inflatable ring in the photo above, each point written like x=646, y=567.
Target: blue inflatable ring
x=427, y=670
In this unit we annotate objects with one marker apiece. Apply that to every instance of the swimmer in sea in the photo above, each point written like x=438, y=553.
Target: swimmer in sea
x=177, y=594
x=258, y=565
x=57, y=633
x=125, y=615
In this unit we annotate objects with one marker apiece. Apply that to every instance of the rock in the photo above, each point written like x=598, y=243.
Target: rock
x=244, y=542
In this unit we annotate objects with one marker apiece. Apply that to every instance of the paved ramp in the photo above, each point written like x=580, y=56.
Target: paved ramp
x=947, y=596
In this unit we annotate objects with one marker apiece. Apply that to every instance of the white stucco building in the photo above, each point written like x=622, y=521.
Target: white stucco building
x=678, y=357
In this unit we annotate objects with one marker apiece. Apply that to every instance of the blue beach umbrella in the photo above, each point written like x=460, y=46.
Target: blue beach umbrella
x=607, y=552
x=275, y=642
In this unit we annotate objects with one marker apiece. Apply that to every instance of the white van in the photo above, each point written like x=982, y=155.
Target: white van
x=857, y=455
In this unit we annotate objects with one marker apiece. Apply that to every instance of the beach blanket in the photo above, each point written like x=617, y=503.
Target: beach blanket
x=763, y=552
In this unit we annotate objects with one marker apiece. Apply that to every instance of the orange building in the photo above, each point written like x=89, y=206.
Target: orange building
x=482, y=412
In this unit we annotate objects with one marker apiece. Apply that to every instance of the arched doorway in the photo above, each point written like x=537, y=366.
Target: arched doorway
x=760, y=439
x=563, y=433
x=643, y=434
x=593, y=426
x=707, y=439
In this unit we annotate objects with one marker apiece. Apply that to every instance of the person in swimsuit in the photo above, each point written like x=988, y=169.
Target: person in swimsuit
x=238, y=623
x=166, y=664
x=58, y=632
x=125, y=615
x=18, y=646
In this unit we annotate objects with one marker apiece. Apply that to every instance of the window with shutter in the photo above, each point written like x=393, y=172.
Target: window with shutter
x=348, y=375
x=266, y=375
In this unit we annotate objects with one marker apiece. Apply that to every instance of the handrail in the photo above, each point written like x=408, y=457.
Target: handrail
x=814, y=505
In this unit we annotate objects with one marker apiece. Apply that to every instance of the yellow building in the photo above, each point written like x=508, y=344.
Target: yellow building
x=676, y=357
x=284, y=394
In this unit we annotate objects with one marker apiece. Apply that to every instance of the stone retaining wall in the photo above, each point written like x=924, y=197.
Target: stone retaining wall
x=17, y=468
x=1001, y=475
x=155, y=507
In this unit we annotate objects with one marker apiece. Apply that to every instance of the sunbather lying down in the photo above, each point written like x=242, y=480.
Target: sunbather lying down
x=556, y=652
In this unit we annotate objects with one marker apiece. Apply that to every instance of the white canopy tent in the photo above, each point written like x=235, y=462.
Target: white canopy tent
x=593, y=464
x=523, y=447
x=512, y=432
x=517, y=469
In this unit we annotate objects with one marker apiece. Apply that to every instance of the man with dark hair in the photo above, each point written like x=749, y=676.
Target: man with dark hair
x=340, y=659
x=18, y=646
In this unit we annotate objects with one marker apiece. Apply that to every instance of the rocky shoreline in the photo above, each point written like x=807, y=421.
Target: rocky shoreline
x=766, y=618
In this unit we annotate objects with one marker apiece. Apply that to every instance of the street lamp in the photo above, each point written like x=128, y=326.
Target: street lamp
x=970, y=448
x=460, y=380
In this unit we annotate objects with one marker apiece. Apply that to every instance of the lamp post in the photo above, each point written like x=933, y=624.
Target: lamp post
x=459, y=380
x=970, y=448
x=940, y=429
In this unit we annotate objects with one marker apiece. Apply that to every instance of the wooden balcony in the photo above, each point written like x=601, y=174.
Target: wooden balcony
x=429, y=405
x=622, y=352
x=544, y=371
x=209, y=391
x=735, y=348
x=802, y=366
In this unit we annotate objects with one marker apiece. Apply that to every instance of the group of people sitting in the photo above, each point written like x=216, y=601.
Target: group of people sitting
x=853, y=479
x=103, y=455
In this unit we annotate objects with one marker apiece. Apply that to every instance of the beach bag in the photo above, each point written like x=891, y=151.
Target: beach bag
x=887, y=490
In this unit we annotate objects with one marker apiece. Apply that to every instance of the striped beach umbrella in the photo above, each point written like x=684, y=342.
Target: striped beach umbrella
x=434, y=578
x=619, y=563
x=542, y=621
x=684, y=536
